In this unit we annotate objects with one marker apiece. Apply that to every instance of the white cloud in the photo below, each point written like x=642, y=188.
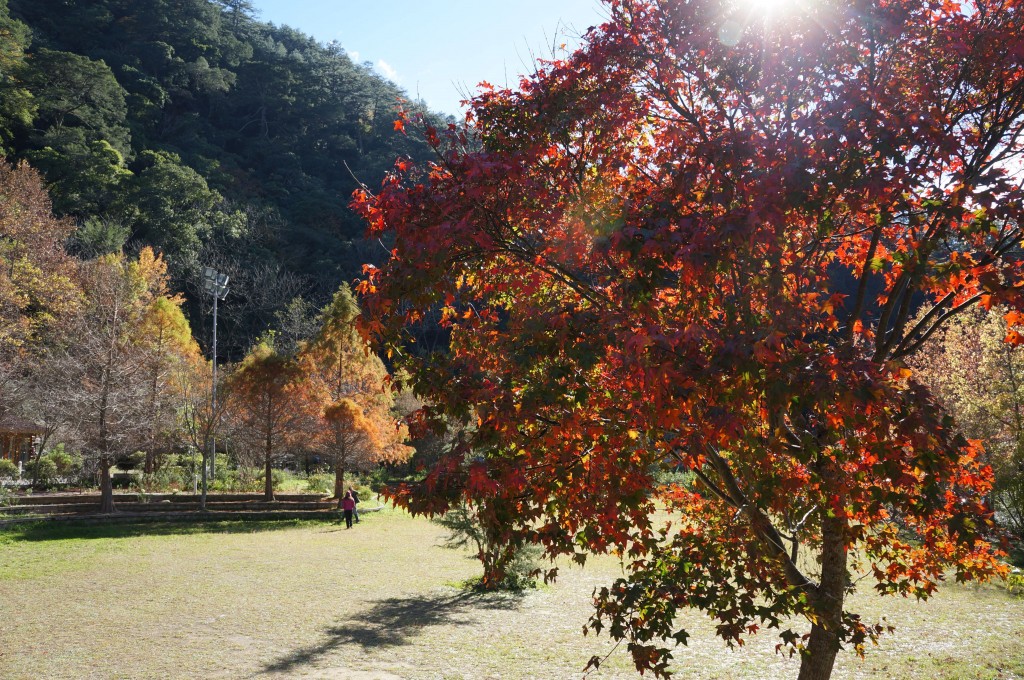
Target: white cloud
x=387, y=70
x=353, y=55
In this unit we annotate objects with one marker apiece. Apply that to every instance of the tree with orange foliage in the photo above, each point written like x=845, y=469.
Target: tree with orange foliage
x=36, y=274
x=170, y=352
x=350, y=440
x=355, y=427
x=700, y=241
x=269, y=403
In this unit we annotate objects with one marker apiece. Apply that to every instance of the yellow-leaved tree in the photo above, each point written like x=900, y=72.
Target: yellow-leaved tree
x=268, y=404
x=169, y=353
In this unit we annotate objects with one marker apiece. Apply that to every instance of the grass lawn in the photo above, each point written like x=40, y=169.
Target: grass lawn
x=310, y=600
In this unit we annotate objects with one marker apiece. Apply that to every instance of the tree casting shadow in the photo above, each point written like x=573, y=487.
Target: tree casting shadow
x=395, y=621
x=46, y=530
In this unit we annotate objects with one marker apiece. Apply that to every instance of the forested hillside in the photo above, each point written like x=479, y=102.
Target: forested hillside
x=192, y=127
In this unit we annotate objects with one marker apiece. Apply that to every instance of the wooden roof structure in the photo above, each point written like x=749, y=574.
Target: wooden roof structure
x=15, y=425
x=17, y=436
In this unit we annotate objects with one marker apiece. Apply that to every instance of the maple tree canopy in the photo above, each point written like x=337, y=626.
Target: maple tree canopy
x=705, y=240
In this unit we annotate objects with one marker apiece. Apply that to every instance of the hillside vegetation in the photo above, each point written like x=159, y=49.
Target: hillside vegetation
x=192, y=127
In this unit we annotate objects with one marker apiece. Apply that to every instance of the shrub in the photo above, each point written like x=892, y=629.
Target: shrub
x=68, y=465
x=1009, y=500
x=8, y=469
x=237, y=480
x=320, y=483
x=167, y=478
x=224, y=479
x=224, y=475
x=250, y=479
x=675, y=477
x=278, y=478
x=1015, y=582
x=378, y=479
x=123, y=480
x=509, y=564
x=131, y=461
x=44, y=471
x=190, y=461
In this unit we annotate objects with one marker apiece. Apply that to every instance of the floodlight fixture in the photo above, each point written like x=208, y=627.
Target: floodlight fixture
x=215, y=283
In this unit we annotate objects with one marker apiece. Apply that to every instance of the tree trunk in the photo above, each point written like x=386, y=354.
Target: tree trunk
x=268, y=482
x=106, y=490
x=339, y=482
x=35, y=466
x=202, y=494
x=820, y=656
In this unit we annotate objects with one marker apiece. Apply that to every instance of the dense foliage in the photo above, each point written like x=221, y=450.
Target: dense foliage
x=979, y=378
x=642, y=254
x=192, y=127
x=99, y=359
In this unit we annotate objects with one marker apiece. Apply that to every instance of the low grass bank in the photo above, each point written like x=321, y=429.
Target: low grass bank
x=314, y=600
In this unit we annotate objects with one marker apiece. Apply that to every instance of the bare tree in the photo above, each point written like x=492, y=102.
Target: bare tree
x=43, y=399
x=106, y=366
x=199, y=417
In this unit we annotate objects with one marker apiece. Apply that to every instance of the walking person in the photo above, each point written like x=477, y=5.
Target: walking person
x=355, y=499
x=348, y=506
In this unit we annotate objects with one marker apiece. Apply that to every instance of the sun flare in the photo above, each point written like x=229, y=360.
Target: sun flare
x=747, y=12
x=770, y=6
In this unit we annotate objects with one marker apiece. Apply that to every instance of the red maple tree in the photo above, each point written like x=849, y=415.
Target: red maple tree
x=700, y=241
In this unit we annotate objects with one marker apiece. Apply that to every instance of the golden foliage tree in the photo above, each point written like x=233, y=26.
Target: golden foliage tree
x=355, y=427
x=170, y=351
x=269, y=404
x=36, y=275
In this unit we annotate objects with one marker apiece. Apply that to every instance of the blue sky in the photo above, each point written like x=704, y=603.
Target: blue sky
x=432, y=48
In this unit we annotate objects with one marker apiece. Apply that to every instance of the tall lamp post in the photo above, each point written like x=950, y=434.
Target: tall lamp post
x=216, y=284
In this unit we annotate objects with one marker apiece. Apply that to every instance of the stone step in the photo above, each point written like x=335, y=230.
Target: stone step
x=142, y=517
x=63, y=508
x=258, y=506
x=58, y=499
x=135, y=506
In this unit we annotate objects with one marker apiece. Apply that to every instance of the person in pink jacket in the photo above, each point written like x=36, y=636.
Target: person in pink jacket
x=348, y=504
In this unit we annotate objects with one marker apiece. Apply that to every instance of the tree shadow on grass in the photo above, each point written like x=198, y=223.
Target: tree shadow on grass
x=395, y=622
x=58, y=531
